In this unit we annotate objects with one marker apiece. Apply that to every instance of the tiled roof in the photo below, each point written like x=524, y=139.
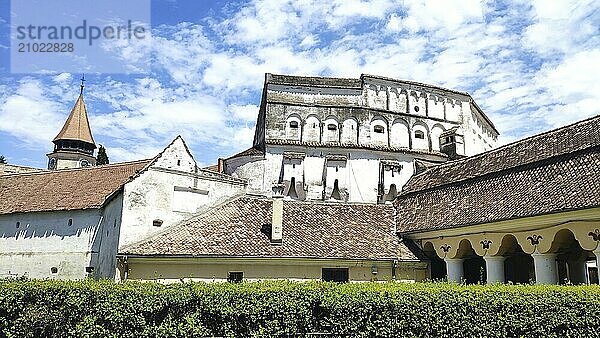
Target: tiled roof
x=77, y=126
x=66, y=189
x=241, y=228
x=551, y=172
x=248, y=152
x=581, y=135
x=313, y=81
x=214, y=168
x=7, y=169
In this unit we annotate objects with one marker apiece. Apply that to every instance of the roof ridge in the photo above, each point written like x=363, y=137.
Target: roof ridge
x=104, y=166
x=505, y=146
x=311, y=77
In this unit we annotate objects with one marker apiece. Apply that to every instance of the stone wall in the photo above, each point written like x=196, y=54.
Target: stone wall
x=358, y=171
x=381, y=126
x=382, y=112
x=216, y=270
x=33, y=244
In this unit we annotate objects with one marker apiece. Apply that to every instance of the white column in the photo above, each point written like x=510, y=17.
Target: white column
x=597, y=254
x=494, y=267
x=545, y=268
x=577, y=271
x=454, y=269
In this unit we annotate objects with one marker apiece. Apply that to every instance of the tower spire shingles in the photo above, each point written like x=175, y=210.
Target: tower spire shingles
x=74, y=144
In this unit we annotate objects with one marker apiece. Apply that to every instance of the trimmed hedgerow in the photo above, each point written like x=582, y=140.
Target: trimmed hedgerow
x=286, y=309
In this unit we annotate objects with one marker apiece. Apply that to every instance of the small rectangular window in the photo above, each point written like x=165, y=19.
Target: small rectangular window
x=18, y=225
x=331, y=127
x=70, y=222
x=235, y=277
x=293, y=124
x=379, y=129
x=338, y=275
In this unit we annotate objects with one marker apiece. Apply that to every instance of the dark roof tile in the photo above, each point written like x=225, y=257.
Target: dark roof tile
x=547, y=173
x=241, y=228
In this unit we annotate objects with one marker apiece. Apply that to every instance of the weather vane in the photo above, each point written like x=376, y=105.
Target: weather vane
x=82, y=81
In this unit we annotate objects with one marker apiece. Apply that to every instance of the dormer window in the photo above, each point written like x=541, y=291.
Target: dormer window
x=294, y=124
x=379, y=129
x=420, y=135
x=332, y=127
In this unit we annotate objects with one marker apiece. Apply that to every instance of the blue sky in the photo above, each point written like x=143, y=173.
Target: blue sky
x=531, y=66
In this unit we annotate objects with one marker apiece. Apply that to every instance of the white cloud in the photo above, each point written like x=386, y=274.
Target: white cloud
x=30, y=116
x=447, y=15
x=531, y=67
x=247, y=112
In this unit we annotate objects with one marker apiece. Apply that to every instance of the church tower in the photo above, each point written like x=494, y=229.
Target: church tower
x=74, y=145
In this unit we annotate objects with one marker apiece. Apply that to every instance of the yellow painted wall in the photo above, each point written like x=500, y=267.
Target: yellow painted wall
x=216, y=270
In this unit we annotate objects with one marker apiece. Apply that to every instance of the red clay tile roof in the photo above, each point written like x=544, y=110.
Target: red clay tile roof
x=214, y=168
x=66, y=189
x=241, y=228
x=551, y=172
x=248, y=152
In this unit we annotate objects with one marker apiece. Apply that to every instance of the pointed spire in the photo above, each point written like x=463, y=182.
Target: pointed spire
x=77, y=126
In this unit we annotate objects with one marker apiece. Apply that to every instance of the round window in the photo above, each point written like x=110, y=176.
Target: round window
x=84, y=163
x=52, y=164
x=417, y=108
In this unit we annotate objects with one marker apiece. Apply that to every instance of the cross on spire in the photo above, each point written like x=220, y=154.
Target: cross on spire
x=82, y=83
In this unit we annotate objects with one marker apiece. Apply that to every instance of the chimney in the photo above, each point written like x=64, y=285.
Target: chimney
x=277, y=220
x=221, y=165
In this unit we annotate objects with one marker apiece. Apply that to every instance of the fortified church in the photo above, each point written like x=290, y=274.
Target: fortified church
x=347, y=180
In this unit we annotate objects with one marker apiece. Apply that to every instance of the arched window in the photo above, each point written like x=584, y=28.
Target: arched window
x=292, y=128
x=420, y=135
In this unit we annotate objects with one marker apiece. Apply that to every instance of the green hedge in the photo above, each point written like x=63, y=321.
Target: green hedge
x=280, y=309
